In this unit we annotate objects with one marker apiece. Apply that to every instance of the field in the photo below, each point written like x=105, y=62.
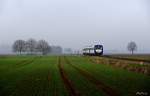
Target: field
x=73, y=76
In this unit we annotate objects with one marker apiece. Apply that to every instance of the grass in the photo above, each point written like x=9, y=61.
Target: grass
x=82, y=84
x=127, y=83
x=40, y=76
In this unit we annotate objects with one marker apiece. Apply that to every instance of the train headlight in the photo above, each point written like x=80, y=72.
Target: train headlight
x=98, y=50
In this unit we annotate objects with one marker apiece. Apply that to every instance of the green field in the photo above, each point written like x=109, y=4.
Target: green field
x=67, y=76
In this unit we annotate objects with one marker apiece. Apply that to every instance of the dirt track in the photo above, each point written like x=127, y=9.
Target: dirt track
x=68, y=84
x=100, y=85
x=25, y=62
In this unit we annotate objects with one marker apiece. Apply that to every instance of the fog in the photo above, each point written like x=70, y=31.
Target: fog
x=77, y=23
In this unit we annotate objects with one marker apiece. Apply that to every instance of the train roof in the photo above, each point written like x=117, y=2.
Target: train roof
x=91, y=47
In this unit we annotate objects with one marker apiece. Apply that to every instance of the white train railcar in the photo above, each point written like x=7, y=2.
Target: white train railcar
x=93, y=50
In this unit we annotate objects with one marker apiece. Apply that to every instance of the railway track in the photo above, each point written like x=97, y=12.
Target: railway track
x=124, y=58
x=100, y=85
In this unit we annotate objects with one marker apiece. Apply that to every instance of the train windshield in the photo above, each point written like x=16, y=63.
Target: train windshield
x=98, y=46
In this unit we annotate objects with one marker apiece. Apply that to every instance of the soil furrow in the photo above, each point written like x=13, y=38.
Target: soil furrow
x=68, y=84
x=100, y=85
x=25, y=62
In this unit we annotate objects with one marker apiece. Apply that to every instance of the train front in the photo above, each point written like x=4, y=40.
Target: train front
x=98, y=50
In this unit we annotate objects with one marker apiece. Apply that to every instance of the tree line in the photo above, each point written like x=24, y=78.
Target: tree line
x=31, y=46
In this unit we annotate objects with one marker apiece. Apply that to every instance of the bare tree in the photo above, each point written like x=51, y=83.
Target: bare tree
x=19, y=46
x=31, y=45
x=43, y=47
x=132, y=47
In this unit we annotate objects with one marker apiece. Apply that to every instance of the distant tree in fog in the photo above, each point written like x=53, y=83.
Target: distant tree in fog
x=59, y=49
x=56, y=50
x=31, y=46
x=68, y=51
x=43, y=47
x=132, y=47
x=19, y=46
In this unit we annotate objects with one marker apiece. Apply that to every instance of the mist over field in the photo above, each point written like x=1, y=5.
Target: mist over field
x=74, y=47
x=76, y=23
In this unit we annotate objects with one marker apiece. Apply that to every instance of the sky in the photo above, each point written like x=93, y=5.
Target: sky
x=77, y=23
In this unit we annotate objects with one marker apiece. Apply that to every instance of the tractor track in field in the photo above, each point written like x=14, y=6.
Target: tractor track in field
x=18, y=65
x=67, y=82
x=26, y=62
x=22, y=62
x=100, y=85
x=3, y=93
x=55, y=89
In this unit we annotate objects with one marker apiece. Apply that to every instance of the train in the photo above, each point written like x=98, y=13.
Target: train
x=95, y=50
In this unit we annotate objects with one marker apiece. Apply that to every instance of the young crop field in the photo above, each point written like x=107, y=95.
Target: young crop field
x=72, y=76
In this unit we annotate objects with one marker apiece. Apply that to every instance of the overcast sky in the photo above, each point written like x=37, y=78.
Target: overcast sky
x=77, y=23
